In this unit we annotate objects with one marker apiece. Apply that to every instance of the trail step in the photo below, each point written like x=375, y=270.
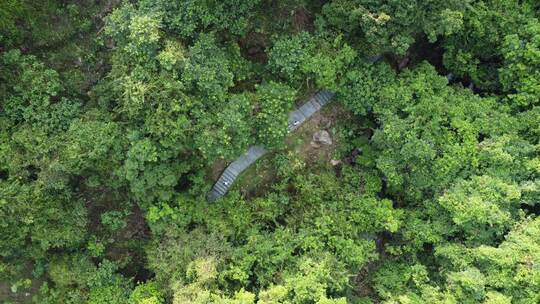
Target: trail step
x=220, y=188
x=228, y=174
x=323, y=98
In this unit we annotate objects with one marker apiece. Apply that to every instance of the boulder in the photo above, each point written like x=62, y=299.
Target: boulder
x=335, y=162
x=321, y=137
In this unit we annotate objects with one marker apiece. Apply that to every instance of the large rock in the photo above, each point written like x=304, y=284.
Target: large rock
x=321, y=137
x=335, y=162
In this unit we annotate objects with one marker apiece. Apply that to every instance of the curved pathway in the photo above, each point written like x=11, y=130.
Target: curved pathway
x=296, y=119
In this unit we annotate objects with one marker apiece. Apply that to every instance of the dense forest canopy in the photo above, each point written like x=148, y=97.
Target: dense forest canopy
x=116, y=117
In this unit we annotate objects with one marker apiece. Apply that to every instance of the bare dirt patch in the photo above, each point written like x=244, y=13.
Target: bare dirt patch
x=301, y=141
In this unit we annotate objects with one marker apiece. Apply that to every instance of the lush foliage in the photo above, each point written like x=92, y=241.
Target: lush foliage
x=117, y=116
